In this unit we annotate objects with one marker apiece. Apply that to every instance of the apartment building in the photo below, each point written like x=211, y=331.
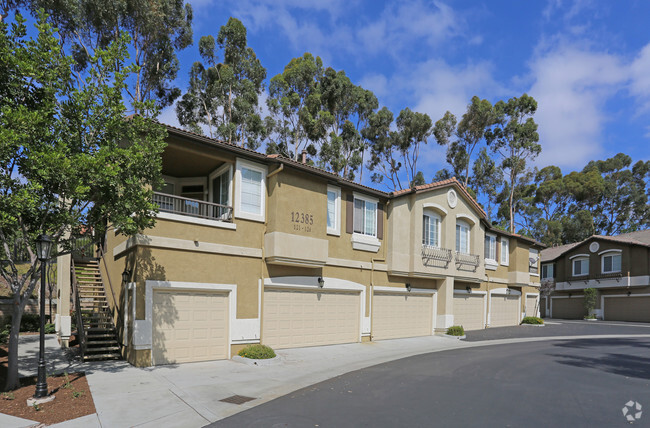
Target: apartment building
x=618, y=267
x=255, y=248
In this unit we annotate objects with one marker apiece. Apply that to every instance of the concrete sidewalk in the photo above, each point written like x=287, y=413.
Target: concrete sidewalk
x=188, y=395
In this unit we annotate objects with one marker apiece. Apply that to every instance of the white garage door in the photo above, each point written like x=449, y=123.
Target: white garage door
x=306, y=318
x=401, y=315
x=189, y=326
x=531, y=306
x=504, y=310
x=469, y=311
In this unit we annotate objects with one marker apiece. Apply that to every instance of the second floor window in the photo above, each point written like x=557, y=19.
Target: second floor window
x=547, y=271
x=491, y=247
x=505, y=251
x=251, y=191
x=431, y=230
x=611, y=263
x=580, y=266
x=533, y=261
x=333, y=210
x=462, y=237
x=365, y=217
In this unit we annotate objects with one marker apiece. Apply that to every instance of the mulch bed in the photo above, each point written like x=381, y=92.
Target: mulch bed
x=73, y=397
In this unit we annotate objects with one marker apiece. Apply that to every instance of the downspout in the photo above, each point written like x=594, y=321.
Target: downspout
x=372, y=289
x=271, y=174
x=488, y=303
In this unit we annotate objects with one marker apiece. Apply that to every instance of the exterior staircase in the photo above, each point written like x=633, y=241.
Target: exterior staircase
x=96, y=332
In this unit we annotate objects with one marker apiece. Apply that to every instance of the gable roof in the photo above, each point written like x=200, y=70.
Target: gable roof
x=641, y=237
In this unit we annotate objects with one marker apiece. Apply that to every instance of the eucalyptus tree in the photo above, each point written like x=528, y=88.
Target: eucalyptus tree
x=462, y=138
x=64, y=164
x=158, y=29
x=391, y=151
x=515, y=141
x=346, y=109
x=297, y=120
x=223, y=96
x=486, y=179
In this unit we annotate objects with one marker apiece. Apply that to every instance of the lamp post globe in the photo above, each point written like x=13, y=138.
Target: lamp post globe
x=43, y=246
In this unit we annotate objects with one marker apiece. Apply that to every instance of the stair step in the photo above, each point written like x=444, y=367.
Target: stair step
x=101, y=342
x=100, y=335
x=97, y=357
x=102, y=348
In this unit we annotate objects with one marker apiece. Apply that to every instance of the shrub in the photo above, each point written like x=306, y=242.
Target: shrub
x=257, y=352
x=456, y=330
x=50, y=328
x=30, y=322
x=591, y=295
x=532, y=320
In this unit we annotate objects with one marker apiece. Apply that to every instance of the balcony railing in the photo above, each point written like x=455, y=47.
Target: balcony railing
x=192, y=207
x=471, y=260
x=435, y=256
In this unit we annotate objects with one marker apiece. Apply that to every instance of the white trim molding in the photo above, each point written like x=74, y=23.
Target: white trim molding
x=310, y=283
x=263, y=170
x=458, y=291
x=578, y=255
x=613, y=250
x=365, y=242
x=621, y=282
x=434, y=206
x=506, y=292
x=469, y=218
x=400, y=290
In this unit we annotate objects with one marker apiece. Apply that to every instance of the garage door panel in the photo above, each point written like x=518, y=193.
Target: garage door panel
x=401, y=315
x=469, y=311
x=568, y=308
x=504, y=310
x=189, y=327
x=307, y=318
x=531, y=306
x=628, y=308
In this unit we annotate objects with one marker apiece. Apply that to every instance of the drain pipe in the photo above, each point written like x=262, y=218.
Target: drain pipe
x=488, y=303
x=372, y=288
x=278, y=170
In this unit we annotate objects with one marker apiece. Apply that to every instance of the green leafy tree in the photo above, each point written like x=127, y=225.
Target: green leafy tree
x=462, y=138
x=346, y=109
x=296, y=120
x=157, y=29
x=224, y=96
x=486, y=179
x=413, y=130
x=514, y=140
x=69, y=158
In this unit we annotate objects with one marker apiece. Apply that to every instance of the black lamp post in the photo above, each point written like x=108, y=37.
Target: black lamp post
x=43, y=245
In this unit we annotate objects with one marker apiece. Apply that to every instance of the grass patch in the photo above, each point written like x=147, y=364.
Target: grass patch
x=532, y=320
x=257, y=352
x=456, y=330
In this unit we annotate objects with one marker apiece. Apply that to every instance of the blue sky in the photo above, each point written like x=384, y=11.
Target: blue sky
x=587, y=63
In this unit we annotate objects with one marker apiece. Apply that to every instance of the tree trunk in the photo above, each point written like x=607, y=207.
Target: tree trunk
x=512, y=217
x=12, y=367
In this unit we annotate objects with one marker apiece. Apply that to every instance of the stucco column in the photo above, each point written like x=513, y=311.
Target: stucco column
x=63, y=284
x=445, y=316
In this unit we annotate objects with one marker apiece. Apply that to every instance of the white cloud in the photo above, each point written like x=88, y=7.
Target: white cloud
x=571, y=86
x=640, y=84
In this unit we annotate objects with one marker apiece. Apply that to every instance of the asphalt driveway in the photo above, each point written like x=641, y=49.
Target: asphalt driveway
x=569, y=382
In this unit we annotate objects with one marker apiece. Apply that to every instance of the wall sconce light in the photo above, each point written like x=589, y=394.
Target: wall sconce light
x=469, y=289
x=321, y=282
x=408, y=287
x=569, y=294
x=508, y=291
x=126, y=275
x=629, y=293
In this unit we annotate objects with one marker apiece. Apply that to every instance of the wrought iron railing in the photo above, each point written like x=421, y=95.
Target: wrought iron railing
x=192, y=207
x=81, y=334
x=83, y=247
x=430, y=252
x=467, y=259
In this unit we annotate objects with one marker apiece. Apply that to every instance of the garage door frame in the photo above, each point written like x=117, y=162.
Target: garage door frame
x=504, y=292
x=419, y=291
x=310, y=283
x=538, y=303
x=143, y=330
x=550, y=312
x=602, y=301
x=473, y=292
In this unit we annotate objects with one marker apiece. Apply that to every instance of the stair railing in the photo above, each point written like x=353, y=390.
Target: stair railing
x=81, y=333
x=110, y=286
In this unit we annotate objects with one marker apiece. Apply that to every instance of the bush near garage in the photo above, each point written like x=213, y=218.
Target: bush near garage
x=456, y=330
x=532, y=320
x=257, y=352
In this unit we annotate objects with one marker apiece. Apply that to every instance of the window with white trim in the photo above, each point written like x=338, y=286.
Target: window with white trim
x=431, y=230
x=251, y=180
x=505, y=251
x=333, y=210
x=491, y=248
x=365, y=216
x=548, y=271
x=533, y=261
x=611, y=262
x=462, y=237
x=580, y=266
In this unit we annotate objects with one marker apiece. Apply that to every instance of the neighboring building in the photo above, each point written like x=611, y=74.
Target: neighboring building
x=251, y=248
x=618, y=267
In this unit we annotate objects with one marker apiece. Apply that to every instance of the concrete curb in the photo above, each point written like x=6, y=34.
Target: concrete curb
x=449, y=336
x=253, y=362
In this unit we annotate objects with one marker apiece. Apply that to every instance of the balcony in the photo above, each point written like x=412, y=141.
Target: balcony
x=467, y=261
x=435, y=256
x=192, y=207
x=603, y=280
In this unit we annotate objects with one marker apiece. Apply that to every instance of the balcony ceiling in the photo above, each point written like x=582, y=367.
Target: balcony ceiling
x=189, y=161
